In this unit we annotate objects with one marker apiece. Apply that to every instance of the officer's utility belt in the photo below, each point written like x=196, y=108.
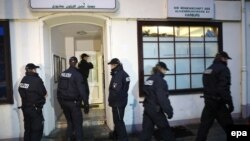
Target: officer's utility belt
x=211, y=97
x=29, y=106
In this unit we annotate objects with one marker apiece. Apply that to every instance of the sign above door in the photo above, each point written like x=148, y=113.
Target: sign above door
x=74, y=5
x=201, y=9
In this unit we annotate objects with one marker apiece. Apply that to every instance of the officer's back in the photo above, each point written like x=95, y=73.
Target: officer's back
x=157, y=106
x=33, y=93
x=216, y=80
x=217, y=94
x=149, y=90
x=156, y=91
x=70, y=94
x=70, y=86
x=69, y=80
x=32, y=90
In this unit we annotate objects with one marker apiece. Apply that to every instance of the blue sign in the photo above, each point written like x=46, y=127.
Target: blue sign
x=1, y=31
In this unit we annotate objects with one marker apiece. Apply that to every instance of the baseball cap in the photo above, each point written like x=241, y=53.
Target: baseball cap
x=31, y=66
x=224, y=54
x=84, y=55
x=73, y=59
x=162, y=65
x=114, y=61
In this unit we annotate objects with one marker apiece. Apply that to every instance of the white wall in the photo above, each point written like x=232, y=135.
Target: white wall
x=88, y=45
x=142, y=9
x=15, y=9
x=232, y=45
x=24, y=40
x=58, y=43
x=47, y=61
x=58, y=48
x=228, y=10
x=248, y=52
x=70, y=48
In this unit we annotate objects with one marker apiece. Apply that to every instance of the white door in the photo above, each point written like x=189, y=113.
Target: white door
x=95, y=79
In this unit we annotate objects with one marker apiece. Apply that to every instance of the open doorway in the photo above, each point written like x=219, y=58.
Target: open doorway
x=73, y=39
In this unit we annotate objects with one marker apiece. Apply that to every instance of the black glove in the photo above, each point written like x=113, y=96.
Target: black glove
x=170, y=116
x=86, y=108
x=230, y=107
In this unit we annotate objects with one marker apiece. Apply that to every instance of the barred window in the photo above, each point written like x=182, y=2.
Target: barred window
x=186, y=47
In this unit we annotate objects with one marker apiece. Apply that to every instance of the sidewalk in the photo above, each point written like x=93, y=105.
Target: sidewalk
x=101, y=133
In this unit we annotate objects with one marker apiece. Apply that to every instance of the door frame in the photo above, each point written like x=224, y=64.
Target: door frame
x=45, y=26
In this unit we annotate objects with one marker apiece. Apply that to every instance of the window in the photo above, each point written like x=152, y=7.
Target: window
x=186, y=47
x=6, y=95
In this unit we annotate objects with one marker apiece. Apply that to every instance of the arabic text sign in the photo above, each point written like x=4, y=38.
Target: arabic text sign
x=81, y=5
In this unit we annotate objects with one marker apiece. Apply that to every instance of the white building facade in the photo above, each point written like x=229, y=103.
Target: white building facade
x=139, y=33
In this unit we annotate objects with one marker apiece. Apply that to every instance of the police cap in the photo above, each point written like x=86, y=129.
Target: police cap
x=31, y=66
x=73, y=59
x=162, y=65
x=114, y=61
x=224, y=54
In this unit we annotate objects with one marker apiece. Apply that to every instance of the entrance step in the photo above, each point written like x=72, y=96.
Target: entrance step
x=93, y=133
x=95, y=117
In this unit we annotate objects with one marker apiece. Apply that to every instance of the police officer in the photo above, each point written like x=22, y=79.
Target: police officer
x=70, y=94
x=84, y=68
x=157, y=106
x=217, y=95
x=33, y=93
x=118, y=97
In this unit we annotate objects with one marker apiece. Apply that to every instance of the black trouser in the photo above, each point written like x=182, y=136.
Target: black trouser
x=33, y=123
x=213, y=110
x=151, y=118
x=119, y=129
x=86, y=84
x=73, y=114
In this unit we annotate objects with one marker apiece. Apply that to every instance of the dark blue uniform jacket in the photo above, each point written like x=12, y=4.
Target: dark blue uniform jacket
x=32, y=90
x=217, y=81
x=70, y=86
x=156, y=94
x=118, y=88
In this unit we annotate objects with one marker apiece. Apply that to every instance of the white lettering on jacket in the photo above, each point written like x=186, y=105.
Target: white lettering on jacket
x=208, y=71
x=68, y=75
x=127, y=79
x=149, y=82
x=24, y=85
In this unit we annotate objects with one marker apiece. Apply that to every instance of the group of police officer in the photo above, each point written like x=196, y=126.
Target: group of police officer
x=157, y=106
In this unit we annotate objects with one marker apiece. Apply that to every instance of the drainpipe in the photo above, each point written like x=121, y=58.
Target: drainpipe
x=244, y=62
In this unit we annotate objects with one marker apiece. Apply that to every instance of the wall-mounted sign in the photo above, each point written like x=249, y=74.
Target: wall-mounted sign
x=190, y=8
x=74, y=5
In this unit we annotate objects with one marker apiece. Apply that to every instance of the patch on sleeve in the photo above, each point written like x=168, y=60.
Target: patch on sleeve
x=149, y=82
x=114, y=85
x=67, y=75
x=24, y=85
x=127, y=79
x=208, y=71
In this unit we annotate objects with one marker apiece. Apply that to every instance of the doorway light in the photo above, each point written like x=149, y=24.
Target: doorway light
x=81, y=32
